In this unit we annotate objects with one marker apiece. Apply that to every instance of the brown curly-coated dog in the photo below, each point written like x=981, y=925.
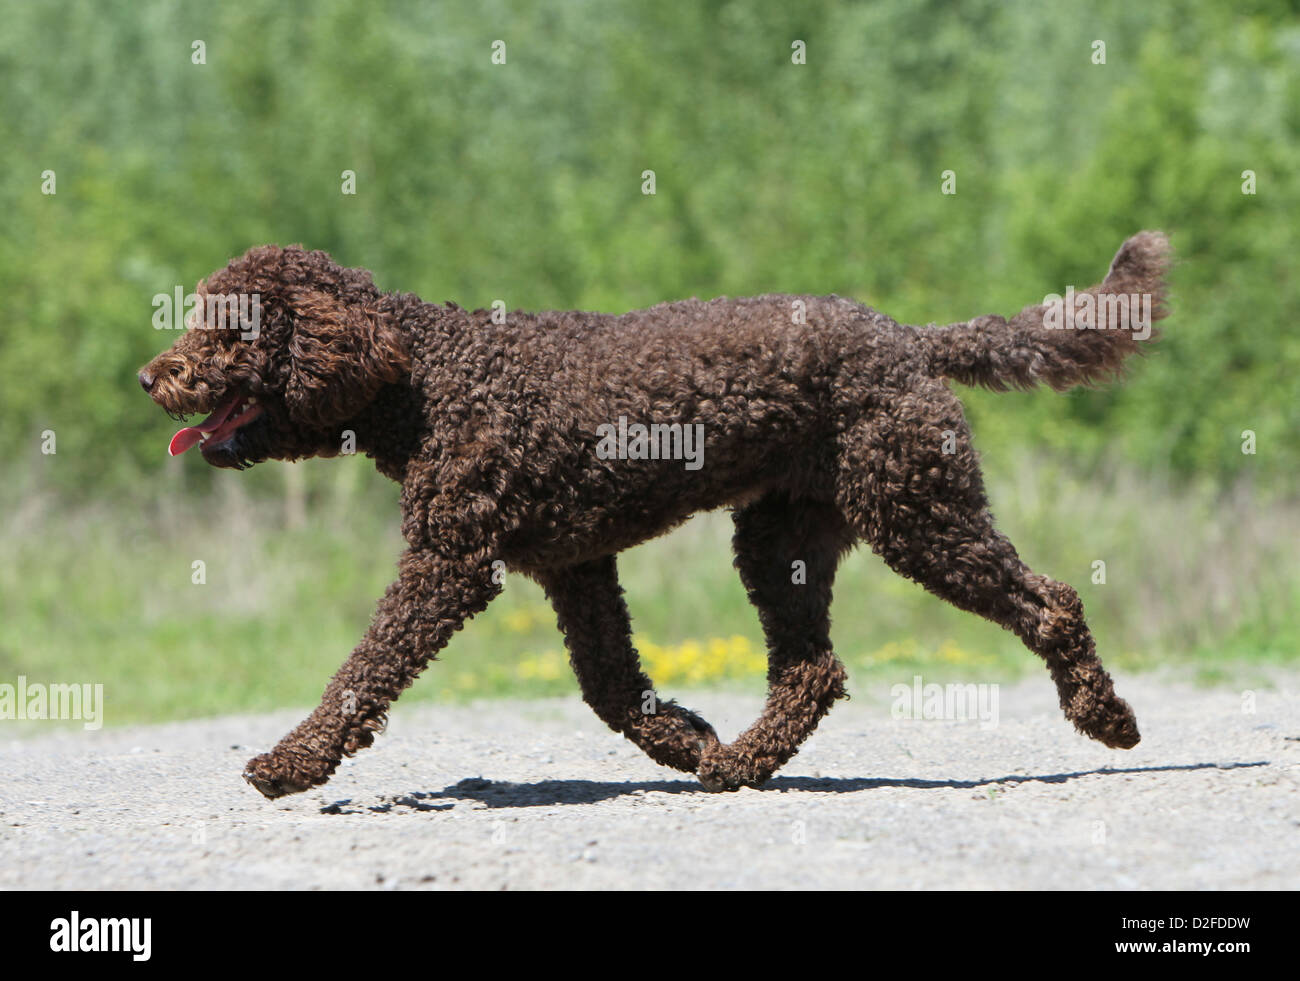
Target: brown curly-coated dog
x=546, y=443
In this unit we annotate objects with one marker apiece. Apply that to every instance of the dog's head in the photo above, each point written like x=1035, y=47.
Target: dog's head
x=283, y=348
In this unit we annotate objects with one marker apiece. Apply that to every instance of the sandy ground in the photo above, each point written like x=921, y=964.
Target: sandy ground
x=538, y=795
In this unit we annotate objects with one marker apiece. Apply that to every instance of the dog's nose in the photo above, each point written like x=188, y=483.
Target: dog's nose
x=146, y=380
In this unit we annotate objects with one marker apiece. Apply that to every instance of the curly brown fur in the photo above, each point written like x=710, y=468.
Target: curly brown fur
x=825, y=423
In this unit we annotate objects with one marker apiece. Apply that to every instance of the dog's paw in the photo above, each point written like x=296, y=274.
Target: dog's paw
x=718, y=773
x=276, y=776
x=1120, y=731
x=1113, y=724
x=673, y=736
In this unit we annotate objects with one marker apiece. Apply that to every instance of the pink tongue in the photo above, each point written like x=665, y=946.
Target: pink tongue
x=190, y=435
x=183, y=440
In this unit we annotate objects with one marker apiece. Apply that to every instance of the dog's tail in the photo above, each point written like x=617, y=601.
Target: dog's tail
x=1079, y=339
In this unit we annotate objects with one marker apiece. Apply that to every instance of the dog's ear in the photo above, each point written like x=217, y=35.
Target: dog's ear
x=340, y=354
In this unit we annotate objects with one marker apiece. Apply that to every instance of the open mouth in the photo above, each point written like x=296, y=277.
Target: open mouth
x=237, y=410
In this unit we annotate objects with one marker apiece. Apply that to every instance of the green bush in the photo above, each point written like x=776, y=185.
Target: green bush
x=522, y=182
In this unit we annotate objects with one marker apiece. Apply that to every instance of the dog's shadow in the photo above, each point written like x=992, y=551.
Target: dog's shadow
x=548, y=793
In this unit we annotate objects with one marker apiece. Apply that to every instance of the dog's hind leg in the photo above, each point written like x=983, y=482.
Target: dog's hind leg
x=786, y=553
x=911, y=486
x=592, y=615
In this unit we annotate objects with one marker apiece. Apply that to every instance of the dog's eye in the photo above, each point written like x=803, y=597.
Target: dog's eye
x=176, y=372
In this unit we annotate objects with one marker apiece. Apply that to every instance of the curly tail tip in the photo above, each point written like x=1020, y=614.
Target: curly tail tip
x=1081, y=338
x=1140, y=266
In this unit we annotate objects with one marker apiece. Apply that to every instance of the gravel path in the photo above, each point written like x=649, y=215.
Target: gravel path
x=538, y=795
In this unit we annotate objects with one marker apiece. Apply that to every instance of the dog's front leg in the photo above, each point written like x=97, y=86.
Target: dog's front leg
x=433, y=596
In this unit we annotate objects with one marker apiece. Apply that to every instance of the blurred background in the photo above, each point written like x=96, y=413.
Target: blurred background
x=522, y=181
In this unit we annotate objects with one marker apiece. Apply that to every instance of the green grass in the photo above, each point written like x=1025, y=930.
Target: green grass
x=1202, y=583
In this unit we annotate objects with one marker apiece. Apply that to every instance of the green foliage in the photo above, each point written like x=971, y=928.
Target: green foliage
x=522, y=182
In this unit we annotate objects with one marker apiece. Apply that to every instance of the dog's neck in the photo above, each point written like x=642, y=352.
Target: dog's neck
x=383, y=429
x=428, y=326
